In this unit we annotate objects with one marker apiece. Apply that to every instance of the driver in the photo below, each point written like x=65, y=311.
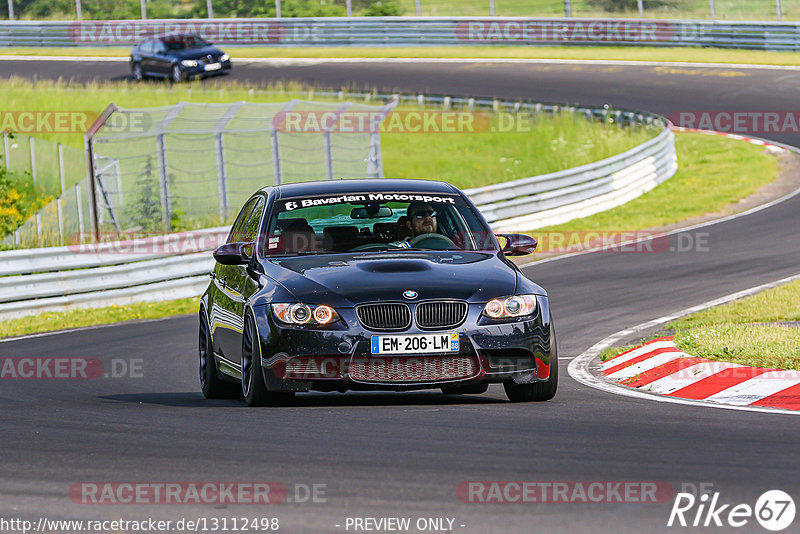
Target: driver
x=420, y=219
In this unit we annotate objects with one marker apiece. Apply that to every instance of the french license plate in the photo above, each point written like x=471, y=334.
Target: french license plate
x=213, y=66
x=415, y=343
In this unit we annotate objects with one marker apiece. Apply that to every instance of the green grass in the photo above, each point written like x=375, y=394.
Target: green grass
x=713, y=172
x=687, y=9
x=475, y=159
x=745, y=331
x=691, y=55
x=93, y=316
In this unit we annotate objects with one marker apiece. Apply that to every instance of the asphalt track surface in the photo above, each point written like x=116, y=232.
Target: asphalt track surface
x=405, y=454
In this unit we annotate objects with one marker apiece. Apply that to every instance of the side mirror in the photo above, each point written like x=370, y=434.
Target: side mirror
x=518, y=244
x=234, y=253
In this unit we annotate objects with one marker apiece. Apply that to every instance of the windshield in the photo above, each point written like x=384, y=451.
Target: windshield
x=184, y=42
x=374, y=221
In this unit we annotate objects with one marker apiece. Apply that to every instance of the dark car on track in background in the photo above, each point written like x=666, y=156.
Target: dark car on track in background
x=178, y=56
x=371, y=285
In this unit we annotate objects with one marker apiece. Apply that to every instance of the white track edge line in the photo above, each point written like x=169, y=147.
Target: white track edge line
x=579, y=367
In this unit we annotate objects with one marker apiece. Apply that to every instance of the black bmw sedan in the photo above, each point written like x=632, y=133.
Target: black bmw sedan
x=178, y=56
x=371, y=285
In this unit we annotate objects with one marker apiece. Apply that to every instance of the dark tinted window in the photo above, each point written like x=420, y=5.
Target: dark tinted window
x=184, y=42
x=251, y=228
x=363, y=222
x=238, y=230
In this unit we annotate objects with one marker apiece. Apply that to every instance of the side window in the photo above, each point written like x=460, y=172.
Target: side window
x=251, y=228
x=146, y=48
x=241, y=221
x=159, y=48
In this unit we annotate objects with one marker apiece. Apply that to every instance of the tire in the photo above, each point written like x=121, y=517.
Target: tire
x=472, y=389
x=177, y=74
x=254, y=390
x=210, y=383
x=538, y=391
x=136, y=72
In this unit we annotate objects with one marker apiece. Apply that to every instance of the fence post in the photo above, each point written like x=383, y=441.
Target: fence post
x=349, y=4
x=33, y=160
x=278, y=8
x=61, y=196
x=163, y=182
x=11, y=13
x=417, y=2
x=276, y=157
x=326, y=141
x=374, y=165
x=567, y=8
x=222, y=178
x=6, y=152
x=210, y=9
x=711, y=9
x=80, y=210
x=778, y=10
x=78, y=10
x=143, y=7
x=640, y=7
x=491, y=7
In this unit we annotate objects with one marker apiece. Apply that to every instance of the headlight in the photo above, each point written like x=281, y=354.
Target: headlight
x=224, y=57
x=299, y=313
x=189, y=63
x=513, y=306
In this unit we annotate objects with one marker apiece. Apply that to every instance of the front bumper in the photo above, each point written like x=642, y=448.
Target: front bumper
x=338, y=358
x=199, y=70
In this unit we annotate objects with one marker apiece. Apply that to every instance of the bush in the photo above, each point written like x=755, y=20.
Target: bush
x=385, y=8
x=18, y=200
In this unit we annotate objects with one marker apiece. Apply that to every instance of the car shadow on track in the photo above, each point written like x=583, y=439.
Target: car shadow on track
x=308, y=400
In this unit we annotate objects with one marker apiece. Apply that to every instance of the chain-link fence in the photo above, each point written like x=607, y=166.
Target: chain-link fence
x=54, y=171
x=189, y=166
x=754, y=10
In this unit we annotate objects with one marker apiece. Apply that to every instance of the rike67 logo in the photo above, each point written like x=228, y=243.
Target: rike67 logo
x=774, y=510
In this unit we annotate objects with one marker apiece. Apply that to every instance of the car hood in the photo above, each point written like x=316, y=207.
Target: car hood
x=351, y=279
x=197, y=53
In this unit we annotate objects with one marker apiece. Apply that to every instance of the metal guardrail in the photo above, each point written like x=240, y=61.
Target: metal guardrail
x=95, y=275
x=176, y=265
x=416, y=31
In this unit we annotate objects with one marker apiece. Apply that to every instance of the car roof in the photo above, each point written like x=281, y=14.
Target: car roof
x=381, y=185
x=177, y=36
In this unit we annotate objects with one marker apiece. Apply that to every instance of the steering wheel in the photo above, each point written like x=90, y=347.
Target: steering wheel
x=442, y=239
x=370, y=246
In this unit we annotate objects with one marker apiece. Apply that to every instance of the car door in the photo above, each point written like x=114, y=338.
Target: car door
x=145, y=52
x=240, y=284
x=162, y=62
x=226, y=325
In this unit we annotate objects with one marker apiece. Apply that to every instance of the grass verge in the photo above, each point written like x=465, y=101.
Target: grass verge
x=94, y=316
x=760, y=330
x=612, y=53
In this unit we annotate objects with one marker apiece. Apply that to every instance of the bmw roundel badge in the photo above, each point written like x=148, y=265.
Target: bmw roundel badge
x=409, y=294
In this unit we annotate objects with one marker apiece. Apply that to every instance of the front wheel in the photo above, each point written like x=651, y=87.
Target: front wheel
x=136, y=72
x=210, y=383
x=538, y=391
x=177, y=74
x=254, y=390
